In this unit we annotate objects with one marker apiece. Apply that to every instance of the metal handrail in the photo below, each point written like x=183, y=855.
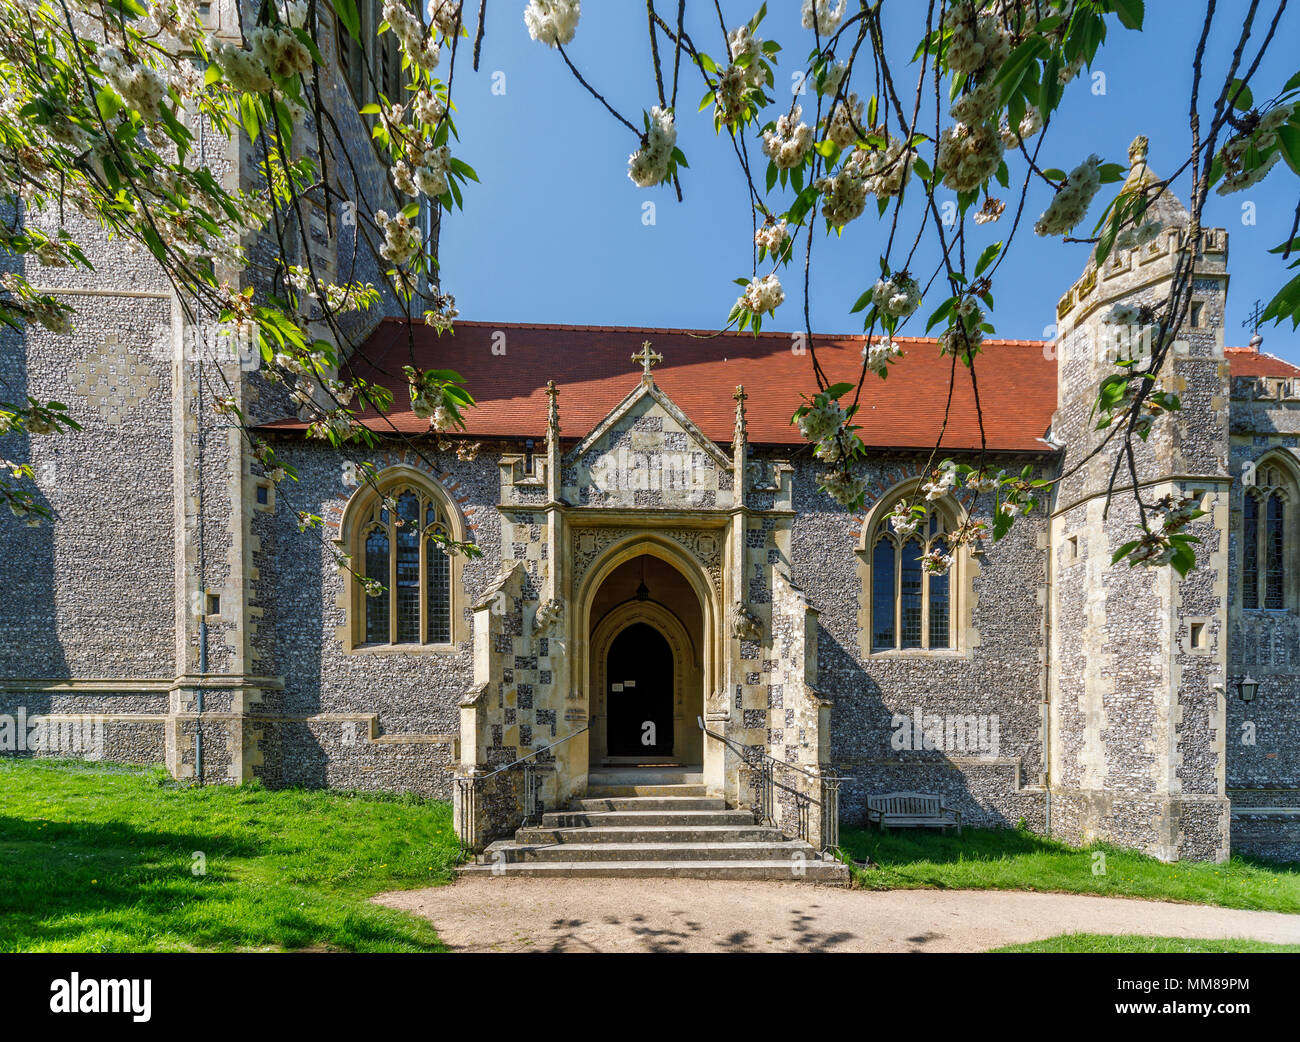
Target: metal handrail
x=535, y=752
x=828, y=787
x=467, y=786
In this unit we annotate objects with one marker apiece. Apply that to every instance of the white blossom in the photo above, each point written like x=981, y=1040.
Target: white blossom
x=772, y=236
x=898, y=295
x=845, y=489
x=444, y=15
x=552, y=22
x=789, y=141
x=762, y=295
x=401, y=241
x=879, y=354
x=844, y=195
x=821, y=14
x=969, y=154
x=842, y=127
x=904, y=521
x=885, y=171
x=648, y=165
x=823, y=419
x=1071, y=202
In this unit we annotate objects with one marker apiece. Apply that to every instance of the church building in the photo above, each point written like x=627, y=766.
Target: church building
x=660, y=593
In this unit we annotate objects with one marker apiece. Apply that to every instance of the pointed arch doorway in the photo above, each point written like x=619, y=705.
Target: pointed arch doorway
x=646, y=675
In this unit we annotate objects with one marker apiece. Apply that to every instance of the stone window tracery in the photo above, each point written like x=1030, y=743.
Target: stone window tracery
x=1267, y=544
x=399, y=540
x=911, y=606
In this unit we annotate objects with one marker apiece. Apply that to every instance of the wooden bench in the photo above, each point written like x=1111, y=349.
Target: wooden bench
x=911, y=810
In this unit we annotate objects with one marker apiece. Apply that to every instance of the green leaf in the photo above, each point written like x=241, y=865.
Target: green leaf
x=986, y=258
x=1288, y=137
x=108, y=103
x=346, y=10
x=1130, y=13
x=1240, y=96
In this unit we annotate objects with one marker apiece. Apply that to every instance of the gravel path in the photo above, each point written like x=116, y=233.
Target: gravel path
x=618, y=915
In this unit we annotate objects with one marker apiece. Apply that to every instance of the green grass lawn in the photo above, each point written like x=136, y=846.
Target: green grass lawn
x=1101, y=942
x=95, y=857
x=1014, y=859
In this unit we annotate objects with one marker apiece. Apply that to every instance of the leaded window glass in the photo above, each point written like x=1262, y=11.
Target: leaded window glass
x=1274, y=549
x=1267, y=580
x=911, y=607
x=1250, y=552
x=405, y=549
x=377, y=603
x=882, y=595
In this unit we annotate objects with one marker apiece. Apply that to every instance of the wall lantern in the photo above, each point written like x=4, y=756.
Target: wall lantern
x=1246, y=688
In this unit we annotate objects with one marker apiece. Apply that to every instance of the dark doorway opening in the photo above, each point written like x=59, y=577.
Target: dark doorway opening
x=639, y=674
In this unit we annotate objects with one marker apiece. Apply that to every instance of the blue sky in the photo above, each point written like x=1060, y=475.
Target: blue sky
x=555, y=231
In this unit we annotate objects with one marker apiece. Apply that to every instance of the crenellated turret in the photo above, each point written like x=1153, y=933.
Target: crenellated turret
x=1138, y=653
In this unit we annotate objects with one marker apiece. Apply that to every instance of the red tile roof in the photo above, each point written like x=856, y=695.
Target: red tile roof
x=1249, y=361
x=593, y=369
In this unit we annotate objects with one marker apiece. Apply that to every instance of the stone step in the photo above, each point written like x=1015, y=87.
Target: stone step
x=748, y=833
x=648, y=803
x=831, y=873
x=576, y=819
x=784, y=851
x=607, y=791
x=644, y=776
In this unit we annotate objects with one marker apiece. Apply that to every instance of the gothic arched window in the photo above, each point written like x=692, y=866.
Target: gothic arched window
x=1268, y=542
x=911, y=606
x=399, y=541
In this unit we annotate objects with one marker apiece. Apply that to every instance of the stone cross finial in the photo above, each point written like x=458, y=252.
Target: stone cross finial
x=552, y=408
x=648, y=357
x=1137, y=158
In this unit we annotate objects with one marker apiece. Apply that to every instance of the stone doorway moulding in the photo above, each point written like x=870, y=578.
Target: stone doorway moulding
x=695, y=553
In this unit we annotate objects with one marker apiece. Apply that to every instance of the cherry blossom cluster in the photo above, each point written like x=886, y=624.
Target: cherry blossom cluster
x=401, y=239
x=788, y=142
x=979, y=42
x=419, y=45
x=820, y=14
x=648, y=165
x=898, y=294
x=772, y=236
x=969, y=154
x=1072, y=200
x=444, y=15
x=885, y=171
x=843, y=124
x=429, y=176
x=844, y=195
x=1237, y=175
x=1030, y=124
x=844, y=487
x=881, y=354
x=763, y=295
x=552, y=22
x=138, y=85
x=823, y=418
x=963, y=336
x=942, y=481
x=746, y=56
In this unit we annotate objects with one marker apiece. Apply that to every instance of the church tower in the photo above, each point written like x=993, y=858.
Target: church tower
x=1138, y=654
